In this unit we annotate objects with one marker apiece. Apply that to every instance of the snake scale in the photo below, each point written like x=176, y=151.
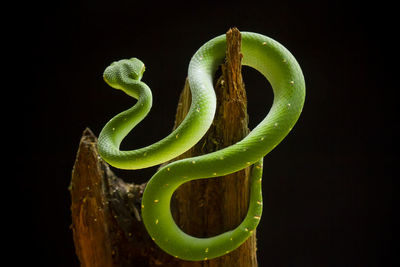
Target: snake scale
x=262, y=53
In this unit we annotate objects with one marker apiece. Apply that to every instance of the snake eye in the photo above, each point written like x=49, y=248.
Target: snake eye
x=136, y=68
x=125, y=69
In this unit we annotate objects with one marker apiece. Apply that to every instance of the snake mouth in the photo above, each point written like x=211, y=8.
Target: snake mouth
x=141, y=72
x=106, y=80
x=134, y=68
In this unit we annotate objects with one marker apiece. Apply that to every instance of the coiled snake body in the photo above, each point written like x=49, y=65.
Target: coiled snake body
x=267, y=56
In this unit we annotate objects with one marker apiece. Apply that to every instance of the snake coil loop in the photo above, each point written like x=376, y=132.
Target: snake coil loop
x=281, y=69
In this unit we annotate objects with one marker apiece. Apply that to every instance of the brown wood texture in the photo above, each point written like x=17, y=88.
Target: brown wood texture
x=208, y=207
x=106, y=224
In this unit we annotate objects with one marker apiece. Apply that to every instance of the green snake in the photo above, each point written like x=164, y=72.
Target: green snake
x=262, y=53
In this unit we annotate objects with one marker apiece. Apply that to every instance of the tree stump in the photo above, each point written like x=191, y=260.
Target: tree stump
x=106, y=223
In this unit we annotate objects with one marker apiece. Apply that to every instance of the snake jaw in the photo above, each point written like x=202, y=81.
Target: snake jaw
x=123, y=70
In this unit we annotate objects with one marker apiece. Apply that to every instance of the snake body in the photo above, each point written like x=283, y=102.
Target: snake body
x=264, y=54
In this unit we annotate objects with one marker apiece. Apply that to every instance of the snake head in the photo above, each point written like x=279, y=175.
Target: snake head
x=121, y=71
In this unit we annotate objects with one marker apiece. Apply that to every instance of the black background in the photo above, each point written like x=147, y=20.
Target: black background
x=328, y=186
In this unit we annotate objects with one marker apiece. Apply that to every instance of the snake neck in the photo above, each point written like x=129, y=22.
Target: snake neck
x=119, y=126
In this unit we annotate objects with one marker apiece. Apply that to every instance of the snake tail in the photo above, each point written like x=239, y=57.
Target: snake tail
x=284, y=74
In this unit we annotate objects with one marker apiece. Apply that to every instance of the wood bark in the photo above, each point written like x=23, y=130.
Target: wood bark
x=106, y=224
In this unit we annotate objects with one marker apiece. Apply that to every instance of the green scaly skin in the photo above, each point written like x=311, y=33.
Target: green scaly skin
x=281, y=69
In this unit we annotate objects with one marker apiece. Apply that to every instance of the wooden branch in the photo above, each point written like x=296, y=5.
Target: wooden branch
x=208, y=207
x=106, y=223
